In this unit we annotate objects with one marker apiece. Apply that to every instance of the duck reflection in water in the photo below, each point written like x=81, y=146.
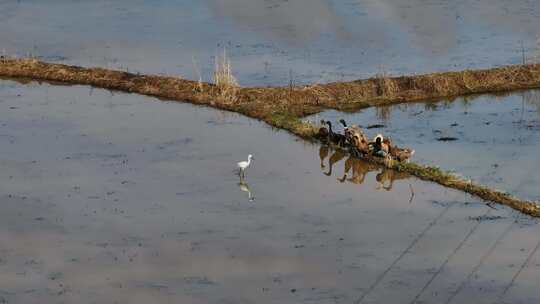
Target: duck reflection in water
x=245, y=187
x=389, y=176
x=336, y=157
x=356, y=170
x=323, y=154
x=359, y=168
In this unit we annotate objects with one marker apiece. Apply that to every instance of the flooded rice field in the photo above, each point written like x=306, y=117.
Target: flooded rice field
x=119, y=198
x=493, y=140
x=271, y=40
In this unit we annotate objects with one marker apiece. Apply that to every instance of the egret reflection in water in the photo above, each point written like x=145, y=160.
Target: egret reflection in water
x=245, y=187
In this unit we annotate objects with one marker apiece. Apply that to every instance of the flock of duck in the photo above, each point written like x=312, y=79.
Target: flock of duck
x=358, y=144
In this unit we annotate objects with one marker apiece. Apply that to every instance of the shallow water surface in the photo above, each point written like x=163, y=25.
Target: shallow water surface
x=494, y=140
x=271, y=40
x=110, y=197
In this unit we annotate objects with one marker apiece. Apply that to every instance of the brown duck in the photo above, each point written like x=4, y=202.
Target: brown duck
x=360, y=145
x=323, y=132
x=401, y=154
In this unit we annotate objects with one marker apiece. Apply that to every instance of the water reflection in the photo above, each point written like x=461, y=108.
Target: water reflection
x=268, y=38
x=436, y=28
x=243, y=185
x=532, y=98
x=336, y=157
x=385, y=114
x=355, y=170
x=387, y=177
x=296, y=22
x=323, y=153
x=492, y=139
x=359, y=168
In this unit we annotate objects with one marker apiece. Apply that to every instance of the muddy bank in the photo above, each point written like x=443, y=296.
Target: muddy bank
x=282, y=107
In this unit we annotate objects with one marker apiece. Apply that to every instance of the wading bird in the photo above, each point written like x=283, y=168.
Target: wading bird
x=243, y=165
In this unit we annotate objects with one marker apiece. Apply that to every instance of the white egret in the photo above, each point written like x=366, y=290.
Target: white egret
x=243, y=165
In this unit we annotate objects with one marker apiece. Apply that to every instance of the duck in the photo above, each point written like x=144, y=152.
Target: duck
x=345, y=126
x=401, y=154
x=380, y=144
x=359, y=145
x=335, y=138
x=352, y=132
x=323, y=132
x=346, y=130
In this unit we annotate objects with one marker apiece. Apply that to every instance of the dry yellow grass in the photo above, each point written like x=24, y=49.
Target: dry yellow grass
x=224, y=80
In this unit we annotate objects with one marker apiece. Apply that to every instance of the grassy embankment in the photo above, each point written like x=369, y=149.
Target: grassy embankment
x=283, y=107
